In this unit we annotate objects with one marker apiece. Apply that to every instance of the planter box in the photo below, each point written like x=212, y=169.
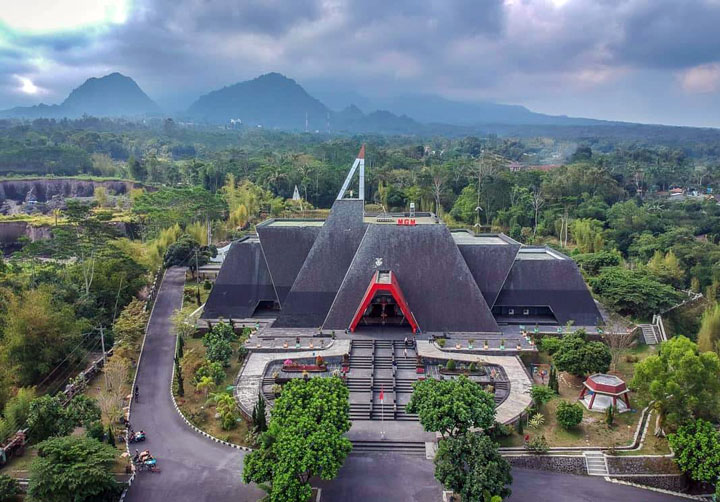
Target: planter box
x=310, y=368
x=444, y=371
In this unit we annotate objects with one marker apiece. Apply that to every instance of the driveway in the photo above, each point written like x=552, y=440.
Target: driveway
x=193, y=468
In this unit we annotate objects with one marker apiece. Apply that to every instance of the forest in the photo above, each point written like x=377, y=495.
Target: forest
x=641, y=219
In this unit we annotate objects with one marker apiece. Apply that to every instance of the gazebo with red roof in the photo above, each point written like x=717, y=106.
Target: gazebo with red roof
x=600, y=391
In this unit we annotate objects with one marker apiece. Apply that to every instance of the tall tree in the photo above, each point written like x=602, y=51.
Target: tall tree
x=709, y=334
x=683, y=382
x=470, y=464
x=451, y=407
x=305, y=439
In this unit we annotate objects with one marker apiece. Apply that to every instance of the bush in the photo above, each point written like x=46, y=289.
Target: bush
x=207, y=285
x=217, y=347
x=537, y=444
x=8, y=488
x=450, y=365
x=541, y=394
x=95, y=431
x=210, y=369
x=569, y=415
x=440, y=342
x=472, y=367
x=550, y=344
x=580, y=357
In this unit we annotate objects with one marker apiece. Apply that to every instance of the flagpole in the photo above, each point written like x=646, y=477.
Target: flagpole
x=382, y=412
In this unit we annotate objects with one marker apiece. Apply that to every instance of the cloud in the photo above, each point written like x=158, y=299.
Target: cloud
x=701, y=79
x=534, y=51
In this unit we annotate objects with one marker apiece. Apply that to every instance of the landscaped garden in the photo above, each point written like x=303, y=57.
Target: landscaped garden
x=560, y=418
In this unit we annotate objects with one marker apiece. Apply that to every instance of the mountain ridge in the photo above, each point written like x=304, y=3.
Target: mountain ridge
x=112, y=95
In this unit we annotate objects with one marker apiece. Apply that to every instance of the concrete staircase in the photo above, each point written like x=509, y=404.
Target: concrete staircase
x=649, y=333
x=387, y=446
x=595, y=463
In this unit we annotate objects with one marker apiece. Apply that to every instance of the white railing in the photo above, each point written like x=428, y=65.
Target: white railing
x=657, y=322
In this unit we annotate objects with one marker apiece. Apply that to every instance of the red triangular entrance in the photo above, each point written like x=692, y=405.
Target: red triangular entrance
x=384, y=281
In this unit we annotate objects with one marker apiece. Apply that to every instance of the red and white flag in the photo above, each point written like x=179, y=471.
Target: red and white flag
x=382, y=394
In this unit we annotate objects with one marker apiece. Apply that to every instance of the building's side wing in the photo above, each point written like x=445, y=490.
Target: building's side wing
x=286, y=246
x=545, y=278
x=242, y=283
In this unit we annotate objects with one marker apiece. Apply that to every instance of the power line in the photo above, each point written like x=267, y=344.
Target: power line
x=71, y=369
x=82, y=341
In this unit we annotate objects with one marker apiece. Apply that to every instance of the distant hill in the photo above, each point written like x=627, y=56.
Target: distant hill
x=428, y=108
x=113, y=95
x=270, y=100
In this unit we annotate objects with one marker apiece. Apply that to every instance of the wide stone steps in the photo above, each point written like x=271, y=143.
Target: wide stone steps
x=405, y=447
x=360, y=411
x=595, y=463
x=401, y=414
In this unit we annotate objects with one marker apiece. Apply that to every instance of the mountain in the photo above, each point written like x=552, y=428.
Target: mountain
x=113, y=95
x=428, y=108
x=270, y=100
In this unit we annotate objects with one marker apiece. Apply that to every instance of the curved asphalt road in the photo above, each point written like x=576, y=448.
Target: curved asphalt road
x=196, y=469
x=193, y=468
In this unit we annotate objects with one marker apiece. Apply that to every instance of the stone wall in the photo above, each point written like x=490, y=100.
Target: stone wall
x=568, y=464
x=672, y=482
x=641, y=465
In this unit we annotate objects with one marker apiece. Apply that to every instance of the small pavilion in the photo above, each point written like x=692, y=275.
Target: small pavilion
x=600, y=391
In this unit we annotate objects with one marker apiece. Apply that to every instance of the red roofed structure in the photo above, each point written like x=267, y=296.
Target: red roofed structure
x=601, y=390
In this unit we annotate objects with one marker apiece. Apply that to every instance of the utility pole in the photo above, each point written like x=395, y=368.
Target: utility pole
x=102, y=342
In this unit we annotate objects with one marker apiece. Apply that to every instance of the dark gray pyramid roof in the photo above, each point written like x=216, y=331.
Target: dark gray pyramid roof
x=490, y=265
x=543, y=277
x=286, y=248
x=243, y=281
x=430, y=271
x=319, y=279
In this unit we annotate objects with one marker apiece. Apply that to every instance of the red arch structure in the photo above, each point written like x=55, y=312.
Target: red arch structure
x=384, y=281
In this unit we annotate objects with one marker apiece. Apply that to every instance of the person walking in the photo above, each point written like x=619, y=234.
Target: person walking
x=405, y=352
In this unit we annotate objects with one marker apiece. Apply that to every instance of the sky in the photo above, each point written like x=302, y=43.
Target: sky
x=654, y=61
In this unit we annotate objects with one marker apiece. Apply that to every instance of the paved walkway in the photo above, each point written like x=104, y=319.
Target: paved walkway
x=250, y=379
x=519, y=397
x=193, y=468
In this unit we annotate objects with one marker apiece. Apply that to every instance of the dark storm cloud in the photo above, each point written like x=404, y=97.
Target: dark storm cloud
x=671, y=33
x=510, y=50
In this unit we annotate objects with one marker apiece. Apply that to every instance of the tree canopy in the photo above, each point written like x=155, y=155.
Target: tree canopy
x=683, y=382
x=73, y=469
x=697, y=450
x=451, y=407
x=471, y=465
x=305, y=438
x=576, y=355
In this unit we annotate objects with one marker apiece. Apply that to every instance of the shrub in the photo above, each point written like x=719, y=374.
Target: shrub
x=541, y=394
x=472, y=367
x=210, y=369
x=217, y=346
x=207, y=285
x=610, y=415
x=8, y=488
x=537, y=420
x=569, y=415
x=95, y=431
x=440, y=342
x=580, y=357
x=450, y=365
x=319, y=361
x=537, y=445
x=550, y=344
